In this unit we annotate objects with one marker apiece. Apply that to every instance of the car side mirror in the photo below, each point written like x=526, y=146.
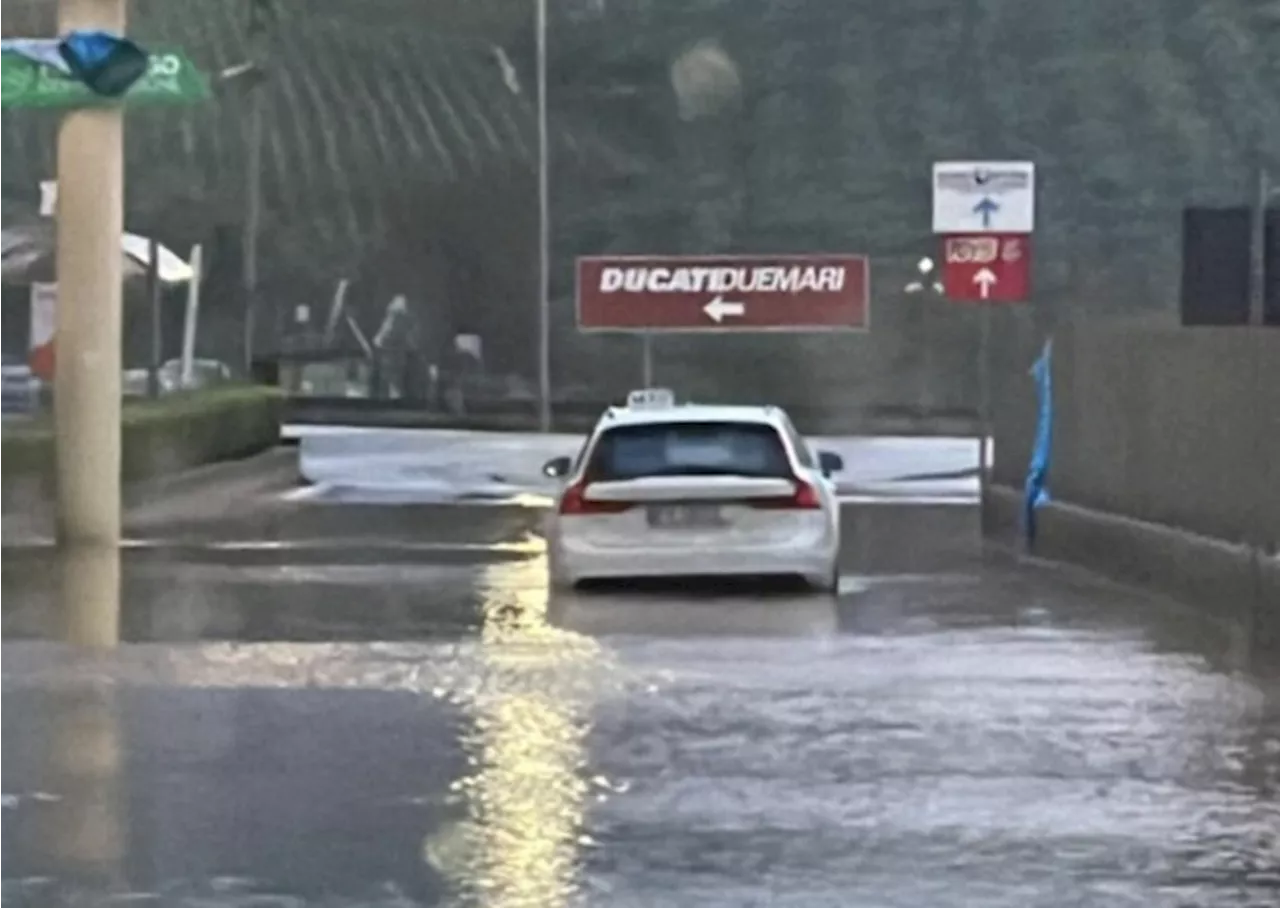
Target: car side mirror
x=556, y=467
x=830, y=462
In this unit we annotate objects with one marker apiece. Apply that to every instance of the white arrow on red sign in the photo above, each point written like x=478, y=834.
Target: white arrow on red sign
x=985, y=279
x=719, y=307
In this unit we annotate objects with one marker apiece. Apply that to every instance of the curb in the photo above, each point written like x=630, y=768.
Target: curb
x=1230, y=580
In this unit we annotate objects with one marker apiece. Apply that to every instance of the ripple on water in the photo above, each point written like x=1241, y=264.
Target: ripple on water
x=1009, y=767
x=995, y=769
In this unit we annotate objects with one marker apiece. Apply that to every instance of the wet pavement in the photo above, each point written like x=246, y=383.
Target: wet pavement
x=392, y=709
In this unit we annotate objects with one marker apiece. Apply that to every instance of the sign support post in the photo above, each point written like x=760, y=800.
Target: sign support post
x=646, y=363
x=544, y=225
x=984, y=401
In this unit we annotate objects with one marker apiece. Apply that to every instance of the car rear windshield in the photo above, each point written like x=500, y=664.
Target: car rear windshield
x=688, y=449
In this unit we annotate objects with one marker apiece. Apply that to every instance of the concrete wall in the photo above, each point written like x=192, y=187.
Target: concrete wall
x=1166, y=460
x=1173, y=426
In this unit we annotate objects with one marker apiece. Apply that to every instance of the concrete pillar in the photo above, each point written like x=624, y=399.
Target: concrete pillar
x=89, y=596
x=87, y=381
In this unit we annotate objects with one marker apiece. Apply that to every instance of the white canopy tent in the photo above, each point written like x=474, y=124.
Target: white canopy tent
x=171, y=268
x=29, y=251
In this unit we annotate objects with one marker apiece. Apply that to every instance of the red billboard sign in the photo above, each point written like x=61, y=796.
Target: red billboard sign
x=987, y=267
x=723, y=293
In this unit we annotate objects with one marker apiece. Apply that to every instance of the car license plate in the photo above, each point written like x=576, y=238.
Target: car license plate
x=685, y=516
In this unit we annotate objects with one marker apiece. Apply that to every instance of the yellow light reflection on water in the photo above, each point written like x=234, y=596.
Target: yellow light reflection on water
x=521, y=843
x=80, y=828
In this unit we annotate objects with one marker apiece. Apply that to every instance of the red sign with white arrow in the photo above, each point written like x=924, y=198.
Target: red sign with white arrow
x=989, y=267
x=723, y=293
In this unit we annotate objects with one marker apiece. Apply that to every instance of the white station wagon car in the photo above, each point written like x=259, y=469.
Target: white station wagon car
x=667, y=490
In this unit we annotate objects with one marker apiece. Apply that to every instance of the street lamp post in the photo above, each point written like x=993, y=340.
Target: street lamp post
x=544, y=228
x=259, y=12
x=252, y=222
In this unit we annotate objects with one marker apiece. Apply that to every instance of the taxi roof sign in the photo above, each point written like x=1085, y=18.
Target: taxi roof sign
x=651, y=399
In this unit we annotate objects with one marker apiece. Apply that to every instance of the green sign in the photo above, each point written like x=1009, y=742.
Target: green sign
x=170, y=79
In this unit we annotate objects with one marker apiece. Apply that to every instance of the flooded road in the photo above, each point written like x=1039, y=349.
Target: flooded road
x=393, y=710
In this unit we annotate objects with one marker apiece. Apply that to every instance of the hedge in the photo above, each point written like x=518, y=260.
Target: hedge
x=162, y=436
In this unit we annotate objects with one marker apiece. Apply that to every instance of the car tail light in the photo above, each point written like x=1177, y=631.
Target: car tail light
x=804, y=498
x=574, y=501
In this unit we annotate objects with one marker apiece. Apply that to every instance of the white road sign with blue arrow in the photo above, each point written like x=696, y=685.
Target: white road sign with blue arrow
x=984, y=197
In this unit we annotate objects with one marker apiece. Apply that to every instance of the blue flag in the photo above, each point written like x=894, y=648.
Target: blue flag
x=108, y=64
x=1036, y=492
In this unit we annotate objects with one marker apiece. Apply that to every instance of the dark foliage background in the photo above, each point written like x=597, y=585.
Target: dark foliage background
x=401, y=154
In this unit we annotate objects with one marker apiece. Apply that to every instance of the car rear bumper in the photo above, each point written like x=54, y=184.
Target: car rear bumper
x=574, y=561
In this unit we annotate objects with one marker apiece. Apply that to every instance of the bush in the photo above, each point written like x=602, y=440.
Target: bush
x=161, y=436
